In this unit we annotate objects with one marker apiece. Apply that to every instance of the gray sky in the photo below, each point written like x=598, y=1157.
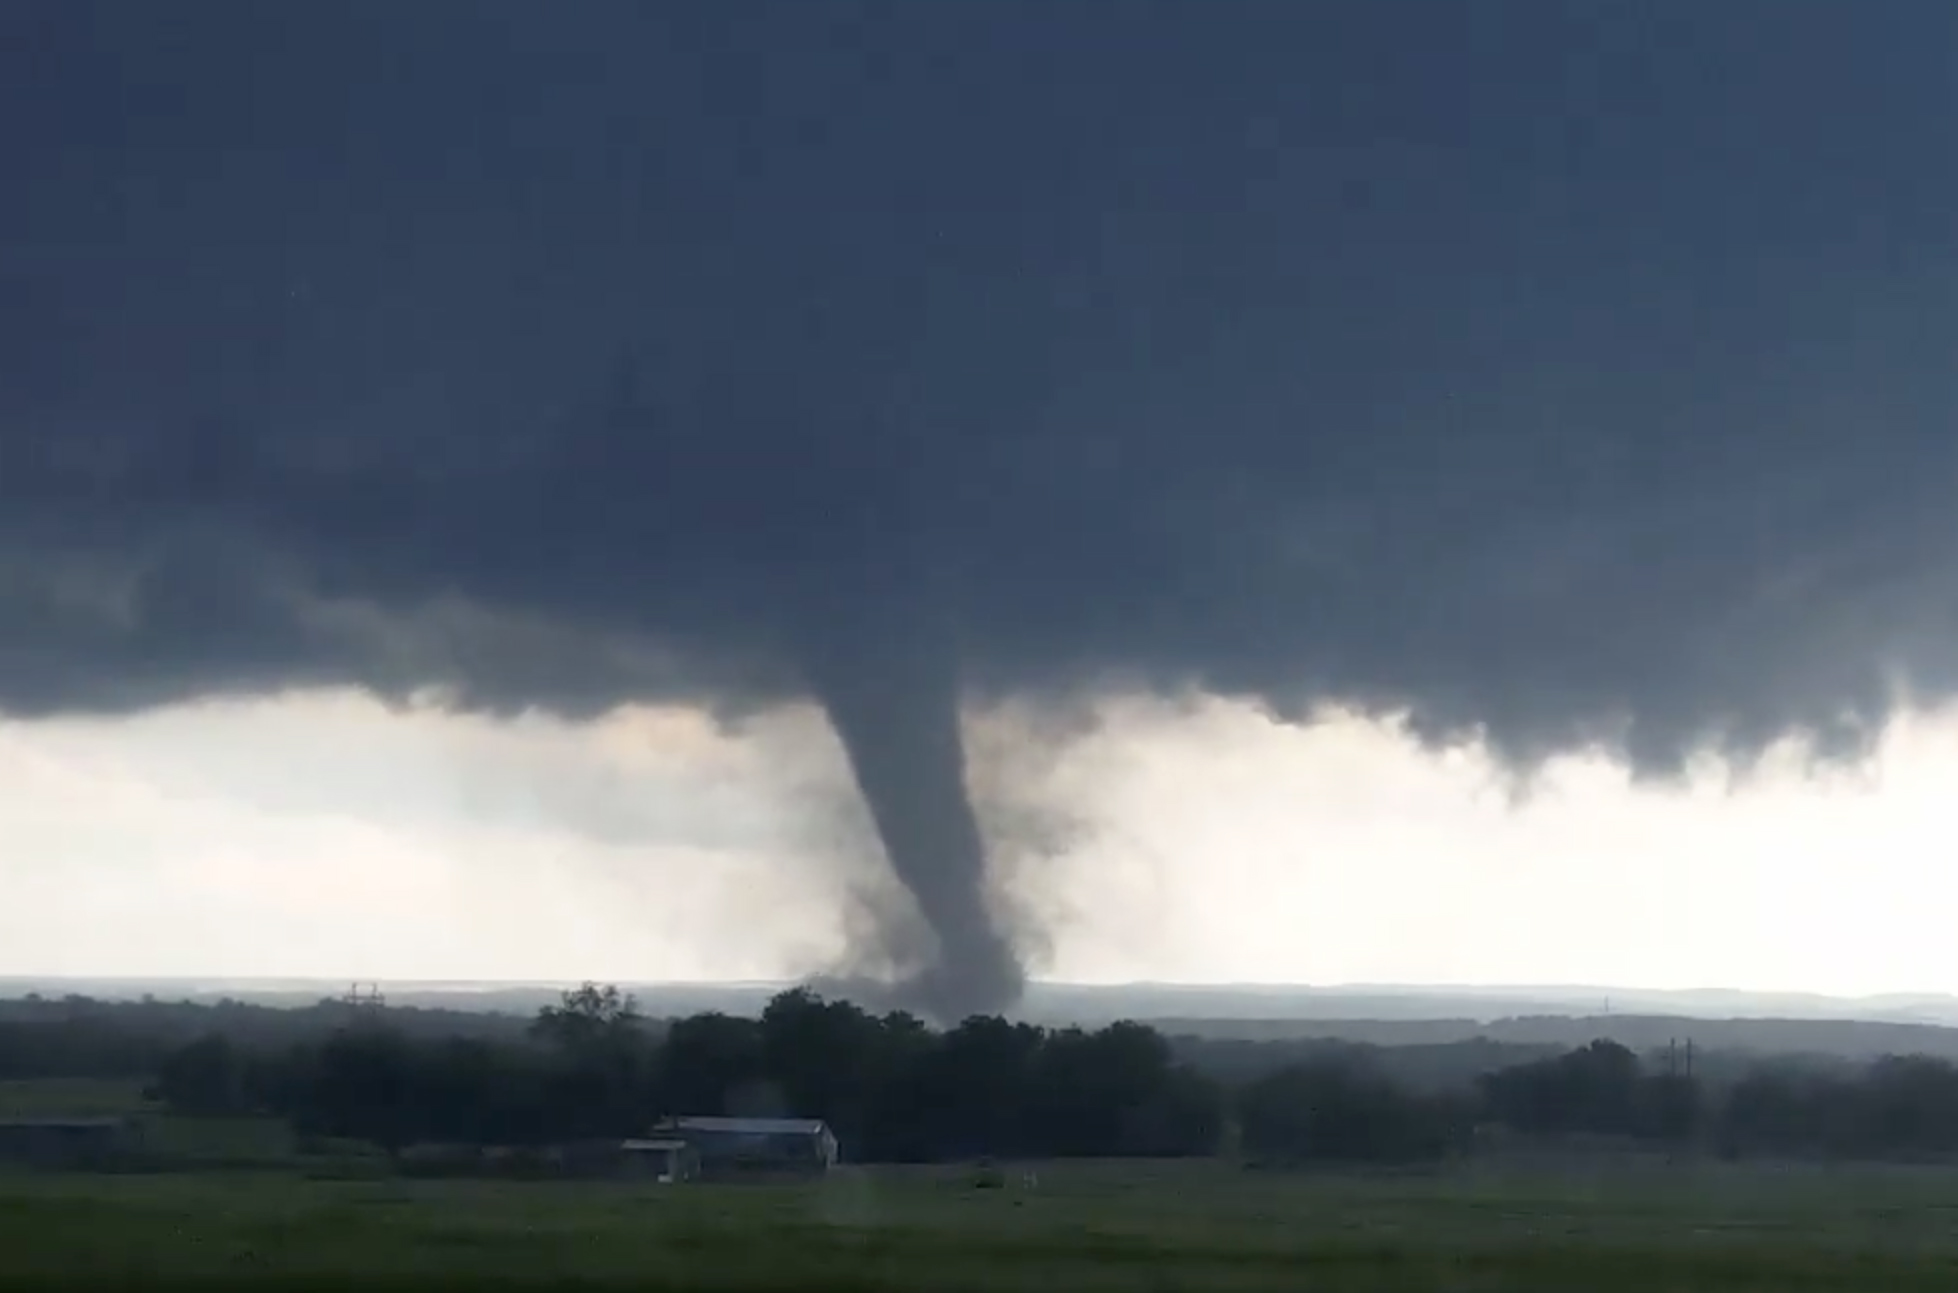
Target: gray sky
x=1553, y=376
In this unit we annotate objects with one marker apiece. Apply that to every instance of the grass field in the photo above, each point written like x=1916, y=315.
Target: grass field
x=1158, y=1228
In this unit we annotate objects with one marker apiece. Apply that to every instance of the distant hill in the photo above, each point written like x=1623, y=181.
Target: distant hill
x=1855, y=1039
x=1375, y=1015
x=1087, y=1003
x=1371, y=1002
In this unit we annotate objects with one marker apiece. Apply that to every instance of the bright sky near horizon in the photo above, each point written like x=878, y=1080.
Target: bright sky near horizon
x=321, y=834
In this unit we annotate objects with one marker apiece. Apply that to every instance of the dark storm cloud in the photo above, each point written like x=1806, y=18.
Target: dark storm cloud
x=1559, y=369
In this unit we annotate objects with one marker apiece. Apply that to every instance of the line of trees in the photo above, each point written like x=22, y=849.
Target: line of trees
x=592, y=1066
x=895, y=1090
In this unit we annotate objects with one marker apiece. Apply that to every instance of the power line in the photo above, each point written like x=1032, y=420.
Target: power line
x=365, y=996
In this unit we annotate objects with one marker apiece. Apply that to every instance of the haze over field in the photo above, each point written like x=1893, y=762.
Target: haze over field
x=942, y=492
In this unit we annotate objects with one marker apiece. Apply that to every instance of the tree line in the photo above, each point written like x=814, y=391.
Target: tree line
x=592, y=1067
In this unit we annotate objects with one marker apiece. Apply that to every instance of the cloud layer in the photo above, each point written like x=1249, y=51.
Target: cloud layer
x=1572, y=376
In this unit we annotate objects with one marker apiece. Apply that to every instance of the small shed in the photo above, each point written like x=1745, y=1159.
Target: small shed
x=747, y=1147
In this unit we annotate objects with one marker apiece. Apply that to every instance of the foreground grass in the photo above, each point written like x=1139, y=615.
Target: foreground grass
x=1192, y=1227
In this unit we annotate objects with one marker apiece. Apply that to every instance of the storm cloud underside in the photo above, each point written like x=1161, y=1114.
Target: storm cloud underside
x=1556, y=373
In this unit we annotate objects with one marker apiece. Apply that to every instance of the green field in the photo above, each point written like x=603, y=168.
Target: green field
x=1143, y=1226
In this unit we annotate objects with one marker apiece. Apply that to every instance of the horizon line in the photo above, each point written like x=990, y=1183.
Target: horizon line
x=1358, y=988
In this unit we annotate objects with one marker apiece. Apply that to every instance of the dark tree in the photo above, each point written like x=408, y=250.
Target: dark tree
x=713, y=1064
x=1343, y=1112
x=205, y=1078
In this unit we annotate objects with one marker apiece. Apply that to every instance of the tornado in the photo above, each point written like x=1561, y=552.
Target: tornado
x=1019, y=389
x=891, y=691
